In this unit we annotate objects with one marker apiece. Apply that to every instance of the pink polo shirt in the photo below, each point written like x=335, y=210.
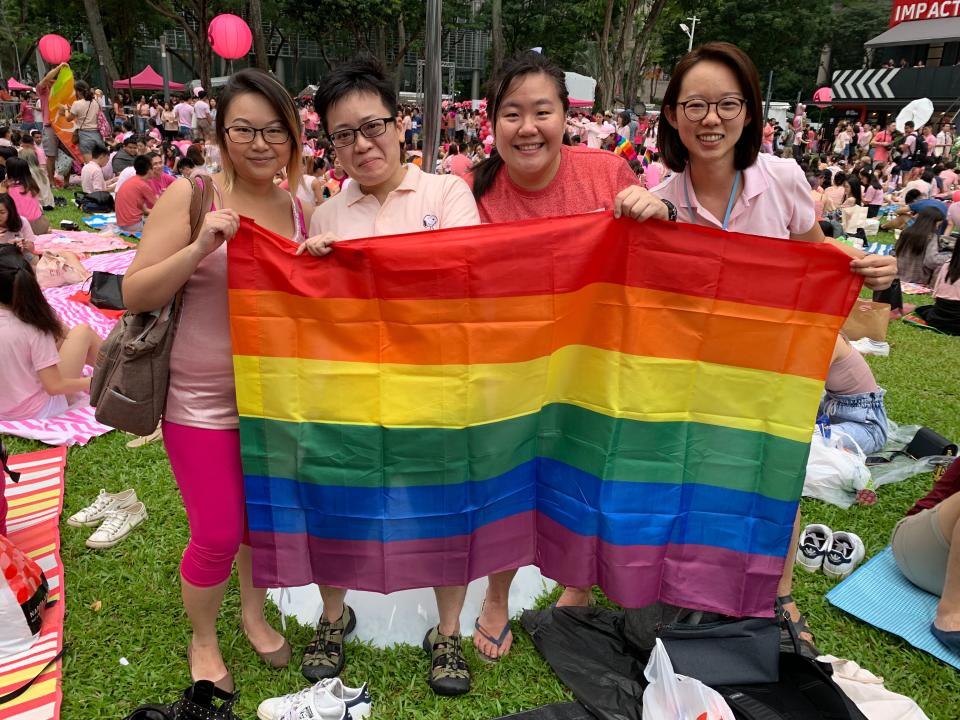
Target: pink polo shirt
x=775, y=201
x=421, y=202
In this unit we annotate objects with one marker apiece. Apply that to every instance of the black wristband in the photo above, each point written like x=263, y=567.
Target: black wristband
x=671, y=210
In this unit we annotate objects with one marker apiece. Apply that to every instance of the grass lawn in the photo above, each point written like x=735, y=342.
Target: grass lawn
x=139, y=616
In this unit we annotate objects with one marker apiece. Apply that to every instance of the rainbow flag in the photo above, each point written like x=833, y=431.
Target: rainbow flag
x=622, y=404
x=625, y=147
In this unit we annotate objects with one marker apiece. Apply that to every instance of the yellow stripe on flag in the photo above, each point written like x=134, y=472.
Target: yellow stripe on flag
x=624, y=386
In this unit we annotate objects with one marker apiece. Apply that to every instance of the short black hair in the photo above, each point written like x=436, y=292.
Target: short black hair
x=132, y=140
x=98, y=150
x=911, y=195
x=142, y=164
x=365, y=74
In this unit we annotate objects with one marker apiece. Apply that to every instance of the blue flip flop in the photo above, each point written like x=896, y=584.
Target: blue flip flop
x=498, y=641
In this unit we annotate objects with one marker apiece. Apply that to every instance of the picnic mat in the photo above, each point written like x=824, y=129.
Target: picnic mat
x=876, y=248
x=100, y=221
x=35, y=506
x=915, y=288
x=80, y=241
x=77, y=425
x=881, y=596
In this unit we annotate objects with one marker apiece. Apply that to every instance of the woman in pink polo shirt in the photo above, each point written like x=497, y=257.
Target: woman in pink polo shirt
x=711, y=140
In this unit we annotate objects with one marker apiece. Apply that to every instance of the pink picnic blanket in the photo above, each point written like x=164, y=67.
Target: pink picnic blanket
x=77, y=425
x=80, y=241
x=73, y=313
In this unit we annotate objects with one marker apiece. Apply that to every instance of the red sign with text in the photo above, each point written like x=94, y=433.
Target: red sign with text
x=910, y=10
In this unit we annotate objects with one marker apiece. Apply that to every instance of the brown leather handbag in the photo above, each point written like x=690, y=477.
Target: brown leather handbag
x=130, y=381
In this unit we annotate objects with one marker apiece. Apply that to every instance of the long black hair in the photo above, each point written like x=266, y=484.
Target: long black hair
x=527, y=63
x=20, y=291
x=953, y=269
x=914, y=239
x=854, y=184
x=14, y=223
x=18, y=171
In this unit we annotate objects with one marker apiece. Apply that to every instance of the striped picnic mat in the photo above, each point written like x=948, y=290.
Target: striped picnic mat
x=100, y=221
x=32, y=523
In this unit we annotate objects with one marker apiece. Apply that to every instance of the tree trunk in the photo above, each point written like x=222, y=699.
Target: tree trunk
x=638, y=58
x=104, y=53
x=605, y=81
x=256, y=27
x=496, y=33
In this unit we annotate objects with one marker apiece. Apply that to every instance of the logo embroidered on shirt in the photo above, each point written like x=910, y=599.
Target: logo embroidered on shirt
x=430, y=221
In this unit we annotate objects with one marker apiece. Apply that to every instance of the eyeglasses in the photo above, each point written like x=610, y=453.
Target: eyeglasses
x=370, y=129
x=727, y=109
x=244, y=134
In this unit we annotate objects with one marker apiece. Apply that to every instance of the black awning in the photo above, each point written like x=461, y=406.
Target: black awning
x=919, y=32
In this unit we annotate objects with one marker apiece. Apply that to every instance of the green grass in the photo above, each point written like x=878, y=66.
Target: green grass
x=141, y=619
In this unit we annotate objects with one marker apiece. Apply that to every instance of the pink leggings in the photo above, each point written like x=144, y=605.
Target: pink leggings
x=206, y=464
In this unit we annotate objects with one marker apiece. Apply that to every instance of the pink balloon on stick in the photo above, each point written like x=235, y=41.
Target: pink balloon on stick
x=54, y=49
x=229, y=36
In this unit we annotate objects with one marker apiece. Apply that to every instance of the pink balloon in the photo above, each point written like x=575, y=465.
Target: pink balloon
x=54, y=49
x=229, y=36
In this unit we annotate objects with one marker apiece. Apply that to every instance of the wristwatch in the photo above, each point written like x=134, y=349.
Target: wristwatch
x=671, y=210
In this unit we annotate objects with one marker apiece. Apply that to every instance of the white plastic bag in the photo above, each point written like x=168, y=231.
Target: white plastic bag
x=677, y=697
x=835, y=475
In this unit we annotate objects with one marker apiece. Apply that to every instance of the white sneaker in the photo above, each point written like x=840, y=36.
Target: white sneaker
x=866, y=346
x=815, y=543
x=358, y=701
x=843, y=557
x=94, y=514
x=313, y=703
x=117, y=525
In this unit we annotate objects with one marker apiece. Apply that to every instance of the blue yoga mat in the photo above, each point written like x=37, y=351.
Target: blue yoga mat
x=881, y=596
x=102, y=220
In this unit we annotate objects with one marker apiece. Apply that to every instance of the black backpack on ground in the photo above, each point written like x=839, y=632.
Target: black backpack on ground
x=95, y=202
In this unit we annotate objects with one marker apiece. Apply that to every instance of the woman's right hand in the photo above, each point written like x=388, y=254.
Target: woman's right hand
x=218, y=227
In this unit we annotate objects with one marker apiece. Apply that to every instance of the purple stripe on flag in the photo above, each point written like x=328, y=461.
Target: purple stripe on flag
x=693, y=576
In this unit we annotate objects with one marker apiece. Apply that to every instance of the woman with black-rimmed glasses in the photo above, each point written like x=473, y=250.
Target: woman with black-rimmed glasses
x=258, y=131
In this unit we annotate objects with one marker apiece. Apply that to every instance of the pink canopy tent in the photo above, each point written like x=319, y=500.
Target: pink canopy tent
x=146, y=79
x=16, y=86
x=581, y=103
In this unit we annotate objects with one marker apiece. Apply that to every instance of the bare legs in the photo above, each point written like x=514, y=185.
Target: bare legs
x=449, y=604
x=78, y=348
x=948, y=609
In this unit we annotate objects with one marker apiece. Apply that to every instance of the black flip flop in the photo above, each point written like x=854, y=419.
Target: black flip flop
x=498, y=641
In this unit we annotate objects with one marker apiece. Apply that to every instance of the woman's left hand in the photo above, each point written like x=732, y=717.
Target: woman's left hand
x=878, y=270
x=639, y=203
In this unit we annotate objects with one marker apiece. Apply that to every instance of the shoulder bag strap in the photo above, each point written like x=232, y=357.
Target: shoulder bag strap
x=14, y=694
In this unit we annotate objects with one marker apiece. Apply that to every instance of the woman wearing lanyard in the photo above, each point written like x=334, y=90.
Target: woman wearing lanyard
x=711, y=140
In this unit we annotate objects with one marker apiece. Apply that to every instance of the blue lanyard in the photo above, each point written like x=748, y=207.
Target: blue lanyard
x=733, y=197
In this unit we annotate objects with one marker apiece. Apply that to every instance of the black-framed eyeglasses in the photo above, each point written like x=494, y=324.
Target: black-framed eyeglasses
x=727, y=109
x=370, y=129
x=244, y=134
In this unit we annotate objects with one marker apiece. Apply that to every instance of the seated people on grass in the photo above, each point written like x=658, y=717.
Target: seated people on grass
x=135, y=198
x=853, y=402
x=918, y=248
x=91, y=176
x=358, y=108
x=926, y=547
x=944, y=314
x=41, y=364
x=914, y=202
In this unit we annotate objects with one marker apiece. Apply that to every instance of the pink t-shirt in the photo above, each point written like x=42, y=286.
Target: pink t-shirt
x=132, y=196
x=421, y=202
x=27, y=205
x=158, y=185
x=26, y=351
x=942, y=289
x=91, y=177
x=587, y=180
x=775, y=200
x=767, y=135
x=881, y=154
x=184, y=113
x=459, y=165
x=873, y=196
x=652, y=175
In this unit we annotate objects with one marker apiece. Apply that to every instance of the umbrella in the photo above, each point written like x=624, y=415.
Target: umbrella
x=822, y=97
x=308, y=91
x=918, y=112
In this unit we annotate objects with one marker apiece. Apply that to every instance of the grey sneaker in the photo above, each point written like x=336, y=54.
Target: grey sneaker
x=96, y=512
x=449, y=672
x=116, y=526
x=323, y=657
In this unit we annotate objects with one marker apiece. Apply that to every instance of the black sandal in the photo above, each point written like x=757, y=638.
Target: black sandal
x=790, y=631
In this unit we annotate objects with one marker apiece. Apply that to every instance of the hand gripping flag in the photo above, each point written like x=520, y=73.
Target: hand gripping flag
x=622, y=404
